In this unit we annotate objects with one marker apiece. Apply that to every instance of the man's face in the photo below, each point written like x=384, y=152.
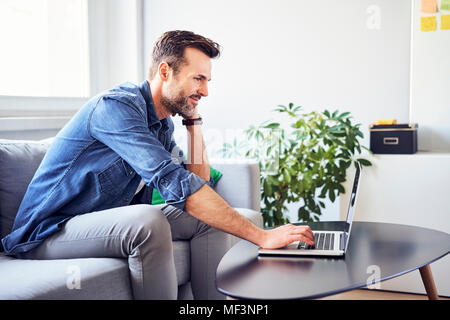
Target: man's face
x=182, y=92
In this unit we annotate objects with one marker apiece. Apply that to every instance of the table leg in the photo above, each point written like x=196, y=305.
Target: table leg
x=428, y=282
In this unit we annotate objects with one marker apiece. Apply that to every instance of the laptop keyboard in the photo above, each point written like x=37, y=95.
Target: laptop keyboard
x=322, y=241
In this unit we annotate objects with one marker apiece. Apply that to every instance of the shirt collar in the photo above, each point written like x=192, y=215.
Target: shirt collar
x=152, y=117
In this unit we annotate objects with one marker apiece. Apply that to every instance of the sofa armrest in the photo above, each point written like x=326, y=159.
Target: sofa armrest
x=240, y=182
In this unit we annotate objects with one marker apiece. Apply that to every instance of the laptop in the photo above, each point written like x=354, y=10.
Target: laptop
x=331, y=243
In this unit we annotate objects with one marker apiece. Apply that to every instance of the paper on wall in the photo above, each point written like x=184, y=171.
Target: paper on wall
x=445, y=22
x=428, y=23
x=445, y=5
x=429, y=6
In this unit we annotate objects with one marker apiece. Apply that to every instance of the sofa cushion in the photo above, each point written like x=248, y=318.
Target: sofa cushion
x=91, y=278
x=19, y=161
x=99, y=278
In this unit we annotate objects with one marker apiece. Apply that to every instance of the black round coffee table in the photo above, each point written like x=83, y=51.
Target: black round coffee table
x=376, y=252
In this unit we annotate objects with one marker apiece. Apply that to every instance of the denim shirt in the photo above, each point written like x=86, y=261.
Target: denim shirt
x=97, y=161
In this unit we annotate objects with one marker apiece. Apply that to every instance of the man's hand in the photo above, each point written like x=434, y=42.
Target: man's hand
x=286, y=234
x=194, y=115
x=197, y=157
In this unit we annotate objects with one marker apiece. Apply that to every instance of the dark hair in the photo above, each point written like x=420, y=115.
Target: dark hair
x=170, y=47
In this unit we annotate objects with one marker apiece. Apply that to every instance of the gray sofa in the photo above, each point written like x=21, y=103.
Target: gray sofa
x=102, y=278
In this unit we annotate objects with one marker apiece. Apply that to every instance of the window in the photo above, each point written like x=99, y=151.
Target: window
x=56, y=54
x=44, y=51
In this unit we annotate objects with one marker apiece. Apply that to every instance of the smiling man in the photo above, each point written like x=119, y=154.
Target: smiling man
x=90, y=195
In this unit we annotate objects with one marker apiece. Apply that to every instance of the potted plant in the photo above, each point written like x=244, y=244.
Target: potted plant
x=303, y=162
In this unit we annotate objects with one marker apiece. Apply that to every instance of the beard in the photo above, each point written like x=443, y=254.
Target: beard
x=178, y=104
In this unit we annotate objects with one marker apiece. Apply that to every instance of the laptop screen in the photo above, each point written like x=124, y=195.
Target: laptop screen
x=351, y=205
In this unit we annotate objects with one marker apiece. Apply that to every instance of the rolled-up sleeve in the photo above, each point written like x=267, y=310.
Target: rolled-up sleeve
x=122, y=127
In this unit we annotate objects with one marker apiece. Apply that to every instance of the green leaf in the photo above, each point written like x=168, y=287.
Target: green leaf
x=337, y=129
x=286, y=176
x=303, y=215
x=323, y=193
x=267, y=188
x=349, y=143
x=331, y=195
x=359, y=134
x=342, y=115
x=364, y=162
x=273, y=125
x=300, y=186
x=280, y=107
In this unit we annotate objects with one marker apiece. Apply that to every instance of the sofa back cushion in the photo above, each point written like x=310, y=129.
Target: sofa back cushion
x=19, y=161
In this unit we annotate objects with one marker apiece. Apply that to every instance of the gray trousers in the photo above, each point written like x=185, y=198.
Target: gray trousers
x=142, y=234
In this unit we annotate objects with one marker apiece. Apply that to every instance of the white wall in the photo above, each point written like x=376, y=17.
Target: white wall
x=318, y=54
x=430, y=83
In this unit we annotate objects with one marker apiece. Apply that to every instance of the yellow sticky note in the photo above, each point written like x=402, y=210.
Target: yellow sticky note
x=445, y=22
x=428, y=6
x=428, y=23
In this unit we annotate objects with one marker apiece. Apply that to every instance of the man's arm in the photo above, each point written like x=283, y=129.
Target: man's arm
x=207, y=206
x=198, y=162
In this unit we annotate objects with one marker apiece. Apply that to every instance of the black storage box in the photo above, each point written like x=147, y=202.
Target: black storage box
x=393, y=138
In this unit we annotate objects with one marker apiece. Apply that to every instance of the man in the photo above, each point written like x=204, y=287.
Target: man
x=87, y=200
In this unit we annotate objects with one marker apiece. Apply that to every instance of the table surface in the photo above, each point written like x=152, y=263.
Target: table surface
x=376, y=252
